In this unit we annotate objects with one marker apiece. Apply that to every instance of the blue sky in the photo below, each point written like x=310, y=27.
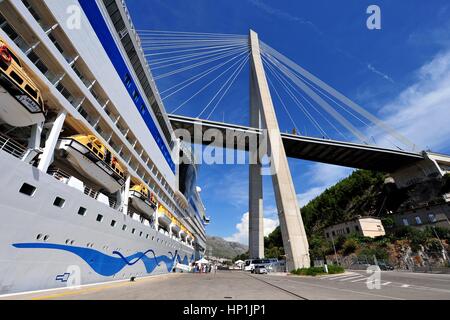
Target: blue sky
x=400, y=73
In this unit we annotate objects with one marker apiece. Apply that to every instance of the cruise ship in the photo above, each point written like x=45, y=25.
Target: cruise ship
x=93, y=189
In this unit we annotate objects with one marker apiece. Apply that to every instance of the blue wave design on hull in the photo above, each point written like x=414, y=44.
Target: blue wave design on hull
x=106, y=265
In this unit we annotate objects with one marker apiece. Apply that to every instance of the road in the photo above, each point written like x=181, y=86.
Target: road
x=244, y=286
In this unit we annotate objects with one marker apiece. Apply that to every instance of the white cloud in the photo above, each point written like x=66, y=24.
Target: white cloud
x=241, y=234
x=283, y=15
x=321, y=176
x=376, y=71
x=421, y=112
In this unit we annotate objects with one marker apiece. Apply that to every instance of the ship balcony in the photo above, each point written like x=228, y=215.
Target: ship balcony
x=11, y=146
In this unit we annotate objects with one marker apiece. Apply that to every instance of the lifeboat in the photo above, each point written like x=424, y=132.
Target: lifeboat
x=176, y=227
x=142, y=200
x=87, y=154
x=21, y=102
x=164, y=217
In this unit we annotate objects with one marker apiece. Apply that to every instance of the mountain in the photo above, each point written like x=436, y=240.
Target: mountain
x=219, y=247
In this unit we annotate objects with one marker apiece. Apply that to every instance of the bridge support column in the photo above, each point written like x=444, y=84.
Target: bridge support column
x=293, y=232
x=256, y=214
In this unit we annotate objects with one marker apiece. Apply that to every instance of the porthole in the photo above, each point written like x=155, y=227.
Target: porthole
x=133, y=230
x=72, y=242
x=82, y=211
x=99, y=218
x=146, y=236
x=140, y=234
x=67, y=241
x=113, y=223
x=59, y=202
x=46, y=237
x=27, y=189
x=124, y=227
x=39, y=236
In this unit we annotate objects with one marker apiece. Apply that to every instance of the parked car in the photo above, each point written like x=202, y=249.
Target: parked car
x=259, y=270
x=385, y=266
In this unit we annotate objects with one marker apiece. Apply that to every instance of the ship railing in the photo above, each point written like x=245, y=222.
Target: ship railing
x=11, y=146
x=90, y=192
x=112, y=203
x=58, y=173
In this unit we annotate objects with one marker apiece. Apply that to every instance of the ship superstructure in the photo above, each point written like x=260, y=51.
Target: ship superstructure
x=92, y=187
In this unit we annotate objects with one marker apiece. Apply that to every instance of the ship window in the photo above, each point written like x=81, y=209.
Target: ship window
x=135, y=95
x=46, y=237
x=124, y=227
x=39, y=236
x=16, y=77
x=31, y=91
x=127, y=80
x=59, y=202
x=13, y=56
x=27, y=189
x=133, y=230
x=113, y=223
x=3, y=65
x=99, y=218
x=140, y=234
x=82, y=211
x=146, y=236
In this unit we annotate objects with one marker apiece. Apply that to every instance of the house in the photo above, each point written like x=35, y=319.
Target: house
x=366, y=226
x=427, y=215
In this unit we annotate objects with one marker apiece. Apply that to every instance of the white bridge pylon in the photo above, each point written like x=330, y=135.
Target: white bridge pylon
x=262, y=115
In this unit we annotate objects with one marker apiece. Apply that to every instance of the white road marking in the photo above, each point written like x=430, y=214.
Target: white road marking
x=359, y=280
x=351, y=278
x=346, y=290
x=405, y=285
x=386, y=283
x=340, y=276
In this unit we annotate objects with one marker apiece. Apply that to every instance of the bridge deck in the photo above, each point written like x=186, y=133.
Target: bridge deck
x=346, y=154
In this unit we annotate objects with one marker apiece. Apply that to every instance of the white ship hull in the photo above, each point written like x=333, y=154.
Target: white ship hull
x=36, y=248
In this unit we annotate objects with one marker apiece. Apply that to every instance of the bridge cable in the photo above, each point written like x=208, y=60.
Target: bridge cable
x=228, y=88
x=338, y=95
x=320, y=101
x=204, y=87
x=315, y=109
x=196, y=78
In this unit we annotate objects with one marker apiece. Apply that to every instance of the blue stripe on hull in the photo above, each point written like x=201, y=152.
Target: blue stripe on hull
x=106, y=265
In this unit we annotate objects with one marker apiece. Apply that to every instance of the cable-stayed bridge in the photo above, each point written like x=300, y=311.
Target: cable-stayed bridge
x=335, y=152
x=198, y=73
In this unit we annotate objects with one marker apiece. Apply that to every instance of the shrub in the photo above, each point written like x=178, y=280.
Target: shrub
x=349, y=246
x=314, y=271
x=333, y=269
